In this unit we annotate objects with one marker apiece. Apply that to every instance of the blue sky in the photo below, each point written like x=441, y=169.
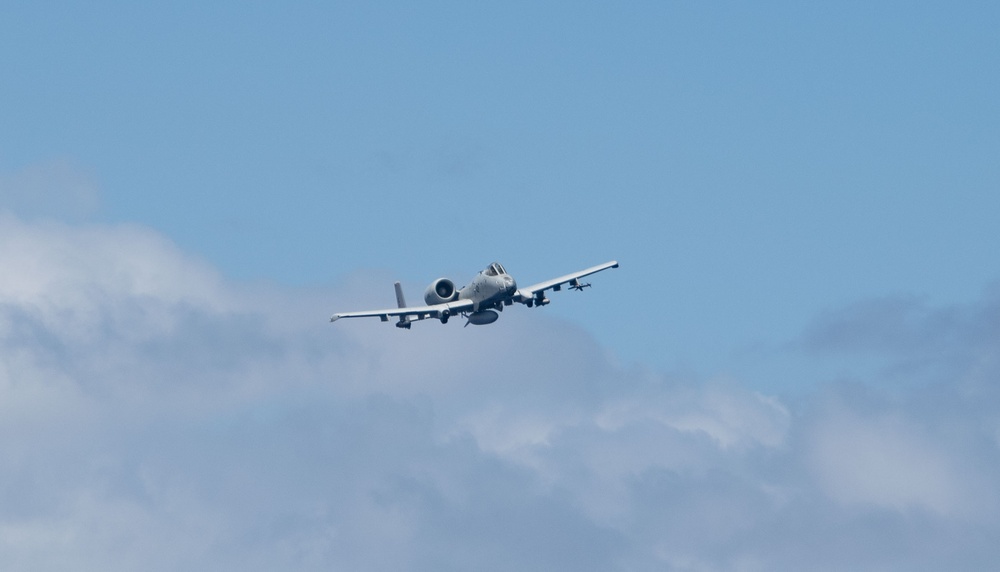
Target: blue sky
x=803, y=200
x=748, y=165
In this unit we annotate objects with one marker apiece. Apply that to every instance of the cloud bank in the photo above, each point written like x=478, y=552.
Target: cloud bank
x=155, y=416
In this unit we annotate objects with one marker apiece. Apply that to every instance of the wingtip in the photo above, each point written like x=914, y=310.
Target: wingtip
x=614, y=264
x=335, y=317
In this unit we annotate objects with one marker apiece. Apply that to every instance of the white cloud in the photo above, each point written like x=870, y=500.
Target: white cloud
x=731, y=417
x=889, y=462
x=155, y=416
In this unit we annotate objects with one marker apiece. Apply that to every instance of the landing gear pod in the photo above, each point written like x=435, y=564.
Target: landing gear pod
x=483, y=317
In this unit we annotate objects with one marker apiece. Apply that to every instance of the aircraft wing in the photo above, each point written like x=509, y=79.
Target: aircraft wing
x=414, y=312
x=535, y=291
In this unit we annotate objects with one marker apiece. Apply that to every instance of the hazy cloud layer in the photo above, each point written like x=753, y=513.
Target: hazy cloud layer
x=155, y=416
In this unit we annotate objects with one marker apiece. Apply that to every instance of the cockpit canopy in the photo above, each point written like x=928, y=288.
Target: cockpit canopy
x=495, y=270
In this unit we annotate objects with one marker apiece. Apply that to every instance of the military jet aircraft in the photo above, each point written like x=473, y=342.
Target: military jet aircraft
x=489, y=292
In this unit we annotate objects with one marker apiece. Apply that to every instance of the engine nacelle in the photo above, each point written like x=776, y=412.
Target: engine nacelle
x=440, y=291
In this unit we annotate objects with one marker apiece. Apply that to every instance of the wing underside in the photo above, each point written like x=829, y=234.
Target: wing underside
x=412, y=313
x=535, y=291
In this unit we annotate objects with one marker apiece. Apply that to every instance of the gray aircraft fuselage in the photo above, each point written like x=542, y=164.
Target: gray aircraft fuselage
x=485, y=290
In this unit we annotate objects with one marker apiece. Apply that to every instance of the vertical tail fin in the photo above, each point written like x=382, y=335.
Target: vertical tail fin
x=404, y=321
x=399, y=296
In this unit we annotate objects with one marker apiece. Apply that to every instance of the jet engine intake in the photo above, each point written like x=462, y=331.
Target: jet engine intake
x=440, y=291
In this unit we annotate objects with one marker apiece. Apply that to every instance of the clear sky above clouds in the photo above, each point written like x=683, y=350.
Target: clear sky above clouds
x=800, y=343
x=749, y=165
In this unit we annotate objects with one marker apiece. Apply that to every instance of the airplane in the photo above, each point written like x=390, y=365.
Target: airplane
x=479, y=302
